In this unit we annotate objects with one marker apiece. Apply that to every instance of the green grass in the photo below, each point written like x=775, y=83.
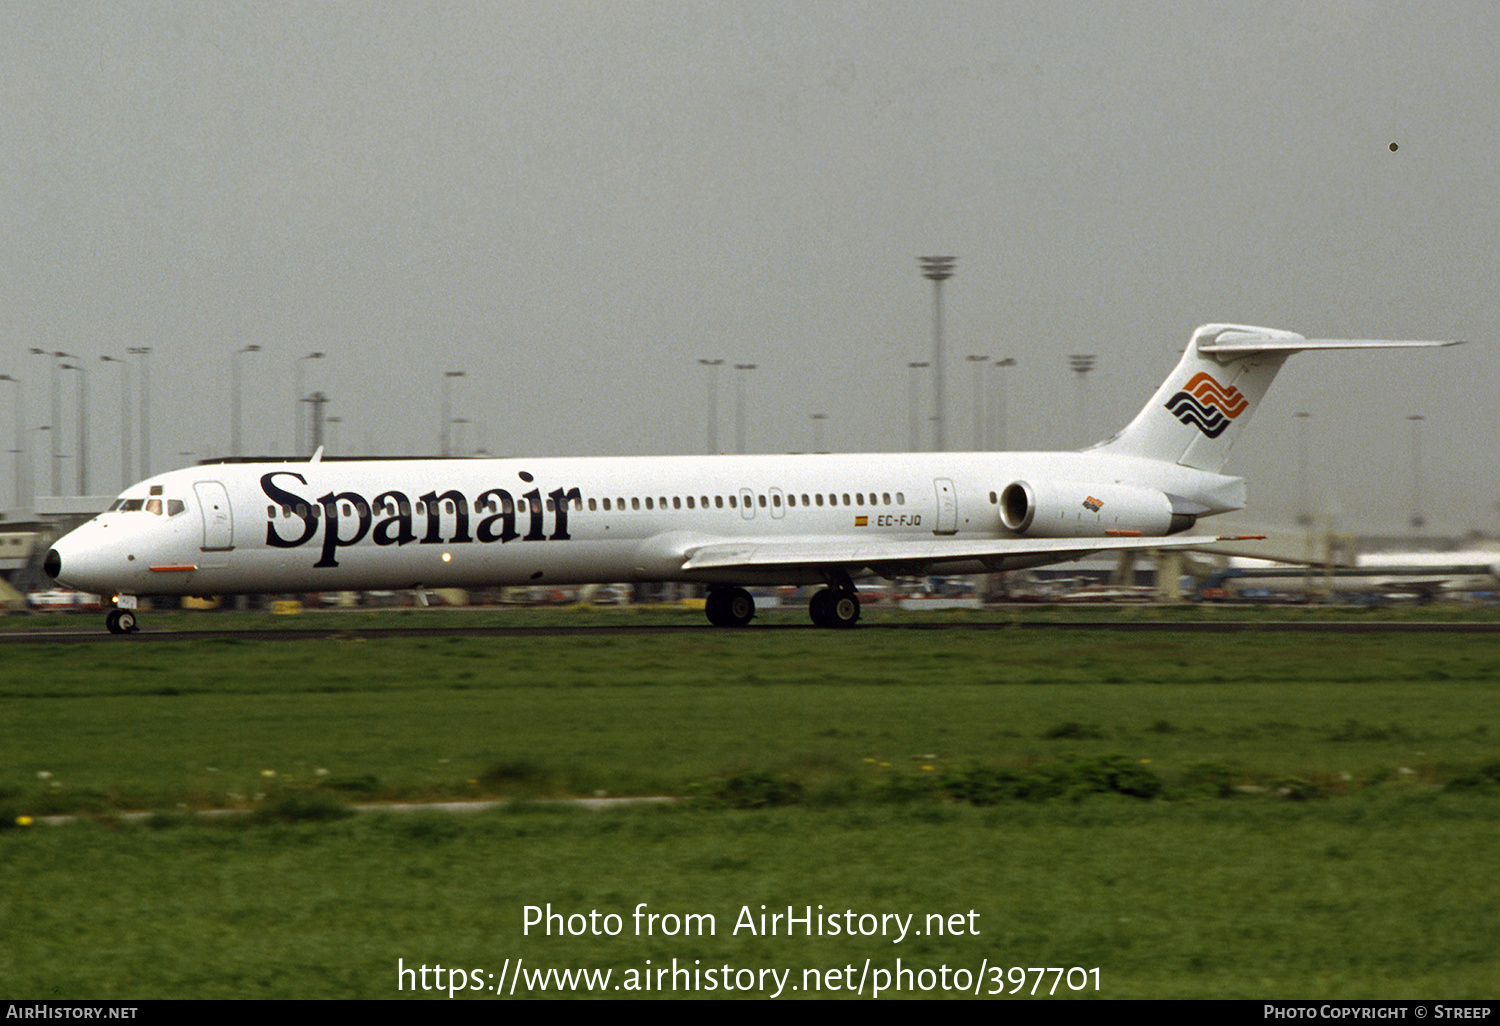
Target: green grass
x=1378, y=897
x=112, y=726
x=847, y=752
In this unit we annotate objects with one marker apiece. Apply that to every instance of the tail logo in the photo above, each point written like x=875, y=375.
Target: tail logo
x=1207, y=405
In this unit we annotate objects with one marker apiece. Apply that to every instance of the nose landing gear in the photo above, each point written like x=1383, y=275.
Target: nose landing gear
x=121, y=621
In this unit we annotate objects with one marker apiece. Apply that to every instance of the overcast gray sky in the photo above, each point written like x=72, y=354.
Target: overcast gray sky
x=574, y=202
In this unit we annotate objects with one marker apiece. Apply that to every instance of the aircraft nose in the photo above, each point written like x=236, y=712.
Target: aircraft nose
x=52, y=565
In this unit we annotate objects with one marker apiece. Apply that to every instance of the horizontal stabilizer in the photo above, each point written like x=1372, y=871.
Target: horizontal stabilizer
x=1252, y=344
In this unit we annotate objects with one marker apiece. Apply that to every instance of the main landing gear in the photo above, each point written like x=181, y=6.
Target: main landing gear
x=836, y=606
x=121, y=621
x=729, y=607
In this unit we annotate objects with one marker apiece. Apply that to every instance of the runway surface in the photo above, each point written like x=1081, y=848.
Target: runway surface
x=147, y=635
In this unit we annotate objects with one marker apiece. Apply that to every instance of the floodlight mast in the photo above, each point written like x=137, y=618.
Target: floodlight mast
x=938, y=269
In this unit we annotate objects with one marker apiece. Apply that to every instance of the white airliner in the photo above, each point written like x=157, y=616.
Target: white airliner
x=723, y=521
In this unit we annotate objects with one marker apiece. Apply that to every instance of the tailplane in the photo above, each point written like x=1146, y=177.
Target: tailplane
x=1199, y=411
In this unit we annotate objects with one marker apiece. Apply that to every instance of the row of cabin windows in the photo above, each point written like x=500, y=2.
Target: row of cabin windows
x=774, y=500
x=490, y=505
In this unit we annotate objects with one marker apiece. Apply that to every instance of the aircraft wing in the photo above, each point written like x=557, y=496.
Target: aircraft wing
x=915, y=557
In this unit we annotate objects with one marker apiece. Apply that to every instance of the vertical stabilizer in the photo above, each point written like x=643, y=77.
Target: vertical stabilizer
x=1199, y=411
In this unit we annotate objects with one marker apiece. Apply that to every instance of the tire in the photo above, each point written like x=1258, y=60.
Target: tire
x=729, y=607
x=843, y=609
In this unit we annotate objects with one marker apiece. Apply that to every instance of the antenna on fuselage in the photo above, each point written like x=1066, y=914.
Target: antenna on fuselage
x=317, y=457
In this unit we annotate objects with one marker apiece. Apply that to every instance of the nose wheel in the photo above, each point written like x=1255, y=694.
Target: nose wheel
x=121, y=621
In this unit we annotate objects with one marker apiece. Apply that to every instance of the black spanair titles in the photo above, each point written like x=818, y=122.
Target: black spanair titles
x=348, y=518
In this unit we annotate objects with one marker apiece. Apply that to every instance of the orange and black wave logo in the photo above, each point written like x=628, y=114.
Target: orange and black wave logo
x=1207, y=405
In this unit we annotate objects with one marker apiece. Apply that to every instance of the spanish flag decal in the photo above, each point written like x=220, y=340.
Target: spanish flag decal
x=861, y=521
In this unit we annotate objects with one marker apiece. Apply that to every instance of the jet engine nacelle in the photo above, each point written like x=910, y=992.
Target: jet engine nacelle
x=1077, y=509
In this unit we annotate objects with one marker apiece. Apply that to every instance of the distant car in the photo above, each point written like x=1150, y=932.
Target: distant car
x=60, y=599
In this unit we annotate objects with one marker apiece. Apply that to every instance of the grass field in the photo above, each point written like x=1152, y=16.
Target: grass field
x=1320, y=821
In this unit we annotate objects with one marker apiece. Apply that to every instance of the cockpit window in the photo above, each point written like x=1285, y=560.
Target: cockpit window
x=115, y=505
x=175, y=506
x=132, y=505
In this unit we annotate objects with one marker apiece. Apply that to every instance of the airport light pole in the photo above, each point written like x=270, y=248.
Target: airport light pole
x=34, y=450
x=818, y=419
x=914, y=385
x=316, y=402
x=937, y=269
x=83, y=425
x=1304, y=511
x=33, y=475
x=1081, y=364
x=713, y=403
x=234, y=427
x=144, y=352
x=57, y=358
x=1417, y=520
x=448, y=377
x=302, y=397
x=999, y=416
x=20, y=449
x=978, y=362
x=739, y=416
x=124, y=417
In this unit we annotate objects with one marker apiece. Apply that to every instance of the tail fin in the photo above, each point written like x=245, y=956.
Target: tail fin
x=1199, y=411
